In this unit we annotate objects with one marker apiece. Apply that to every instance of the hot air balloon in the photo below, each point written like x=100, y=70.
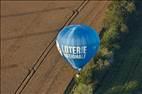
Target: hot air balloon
x=78, y=44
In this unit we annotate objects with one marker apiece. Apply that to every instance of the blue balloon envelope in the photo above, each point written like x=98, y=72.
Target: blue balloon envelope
x=78, y=44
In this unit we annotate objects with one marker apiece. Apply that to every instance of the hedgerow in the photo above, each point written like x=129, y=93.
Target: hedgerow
x=115, y=26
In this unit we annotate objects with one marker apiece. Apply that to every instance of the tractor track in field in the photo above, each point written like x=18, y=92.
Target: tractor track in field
x=98, y=13
x=47, y=49
x=27, y=35
x=35, y=12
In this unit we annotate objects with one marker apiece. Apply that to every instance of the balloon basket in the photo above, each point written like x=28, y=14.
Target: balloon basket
x=77, y=75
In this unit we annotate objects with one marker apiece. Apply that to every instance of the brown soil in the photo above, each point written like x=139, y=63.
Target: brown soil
x=30, y=62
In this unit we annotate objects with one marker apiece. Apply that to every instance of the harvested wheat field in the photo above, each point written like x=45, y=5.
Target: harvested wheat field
x=30, y=62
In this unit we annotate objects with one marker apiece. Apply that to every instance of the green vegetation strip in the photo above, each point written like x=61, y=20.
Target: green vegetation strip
x=117, y=67
x=127, y=78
